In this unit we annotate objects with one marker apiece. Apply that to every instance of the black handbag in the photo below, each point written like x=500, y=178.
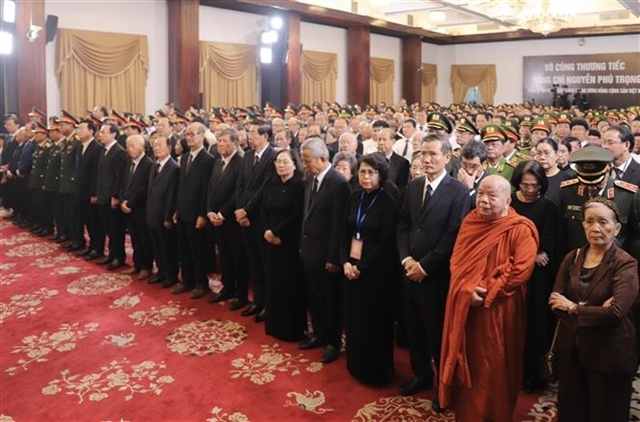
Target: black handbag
x=549, y=367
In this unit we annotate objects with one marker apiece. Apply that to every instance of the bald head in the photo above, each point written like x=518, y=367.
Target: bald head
x=493, y=197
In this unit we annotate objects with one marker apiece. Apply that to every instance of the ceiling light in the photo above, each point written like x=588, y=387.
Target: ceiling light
x=269, y=37
x=9, y=11
x=500, y=9
x=266, y=55
x=6, y=42
x=437, y=16
x=276, y=23
x=546, y=16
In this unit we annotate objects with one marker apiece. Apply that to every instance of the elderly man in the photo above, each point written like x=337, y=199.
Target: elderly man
x=349, y=143
x=481, y=362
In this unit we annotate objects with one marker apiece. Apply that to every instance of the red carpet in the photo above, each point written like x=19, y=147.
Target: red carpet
x=81, y=344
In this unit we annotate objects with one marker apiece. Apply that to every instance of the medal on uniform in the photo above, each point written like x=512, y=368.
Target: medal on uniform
x=610, y=193
x=581, y=190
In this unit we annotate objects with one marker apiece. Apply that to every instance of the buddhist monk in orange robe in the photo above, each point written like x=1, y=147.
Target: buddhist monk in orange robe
x=481, y=365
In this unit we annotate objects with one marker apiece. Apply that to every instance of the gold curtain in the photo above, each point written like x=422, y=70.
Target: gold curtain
x=228, y=74
x=319, y=74
x=428, y=82
x=381, y=80
x=464, y=77
x=101, y=68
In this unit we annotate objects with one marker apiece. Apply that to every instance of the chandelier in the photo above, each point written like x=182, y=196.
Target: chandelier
x=545, y=16
x=500, y=9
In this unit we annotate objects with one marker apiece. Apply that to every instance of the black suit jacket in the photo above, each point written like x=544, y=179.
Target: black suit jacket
x=112, y=167
x=322, y=221
x=632, y=173
x=162, y=193
x=222, y=187
x=428, y=235
x=399, y=170
x=251, y=181
x=135, y=186
x=87, y=170
x=192, y=191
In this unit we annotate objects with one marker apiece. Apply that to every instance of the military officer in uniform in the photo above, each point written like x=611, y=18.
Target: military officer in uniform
x=592, y=165
x=511, y=154
x=465, y=133
x=524, y=144
x=51, y=182
x=42, y=218
x=494, y=137
x=438, y=123
x=68, y=156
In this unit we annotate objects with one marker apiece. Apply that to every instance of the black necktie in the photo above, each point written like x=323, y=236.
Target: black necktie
x=427, y=196
x=314, y=190
x=256, y=160
x=616, y=173
x=133, y=168
x=189, y=159
x=406, y=148
x=157, y=168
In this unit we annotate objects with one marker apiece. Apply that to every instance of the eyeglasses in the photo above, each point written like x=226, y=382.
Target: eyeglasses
x=366, y=172
x=529, y=186
x=471, y=166
x=193, y=133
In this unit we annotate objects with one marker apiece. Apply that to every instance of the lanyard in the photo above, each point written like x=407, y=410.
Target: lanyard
x=360, y=216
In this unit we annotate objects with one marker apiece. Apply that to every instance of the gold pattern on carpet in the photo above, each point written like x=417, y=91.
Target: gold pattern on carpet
x=405, y=409
x=220, y=416
x=7, y=279
x=117, y=375
x=120, y=340
x=200, y=338
x=16, y=239
x=24, y=305
x=308, y=401
x=160, y=315
x=31, y=249
x=262, y=369
x=51, y=261
x=37, y=348
x=5, y=418
x=127, y=301
x=97, y=284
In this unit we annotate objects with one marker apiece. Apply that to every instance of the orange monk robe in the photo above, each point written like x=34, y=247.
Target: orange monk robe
x=481, y=365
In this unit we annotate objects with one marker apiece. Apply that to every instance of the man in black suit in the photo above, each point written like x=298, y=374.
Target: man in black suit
x=88, y=152
x=190, y=215
x=431, y=213
x=112, y=165
x=134, y=201
x=326, y=196
x=220, y=212
x=619, y=141
x=257, y=169
x=398, y=166
x=164, y=177
x=473, y=156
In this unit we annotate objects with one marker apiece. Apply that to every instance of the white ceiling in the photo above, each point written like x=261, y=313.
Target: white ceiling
x=468, y=17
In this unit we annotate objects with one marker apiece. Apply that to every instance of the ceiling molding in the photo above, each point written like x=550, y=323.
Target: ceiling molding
x=332, y=17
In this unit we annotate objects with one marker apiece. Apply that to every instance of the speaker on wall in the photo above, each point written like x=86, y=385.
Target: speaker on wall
x=52, y=27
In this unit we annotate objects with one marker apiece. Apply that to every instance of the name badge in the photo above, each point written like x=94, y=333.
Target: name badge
x=356, y=249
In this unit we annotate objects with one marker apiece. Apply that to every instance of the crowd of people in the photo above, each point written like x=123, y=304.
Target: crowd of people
x=462, y=233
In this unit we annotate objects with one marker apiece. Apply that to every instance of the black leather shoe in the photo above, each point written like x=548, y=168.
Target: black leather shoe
x=261, y=316
x=92, y=255
x=168, y=283
x=252, y=310
x=115, y=264
x=155, y=279
x=55, y=237
x=104, y=261
x=238, y=304
x=311, y=343
x=62, y=239
x=198, y=292
x=83, y=252
x=330, y=354
x=74, y=247
x=435, y=405
x=219, y=297
x=34, y=227
x=182, y=288
x=45, y=232
x=414, y=386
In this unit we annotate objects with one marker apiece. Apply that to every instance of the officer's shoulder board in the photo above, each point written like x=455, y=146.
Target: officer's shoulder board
x=626, y=185
x=569, y=182
x=523, y=156
x=513, y=162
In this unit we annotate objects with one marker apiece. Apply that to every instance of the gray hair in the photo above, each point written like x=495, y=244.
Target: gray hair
x=444, y=141
x=317, y=147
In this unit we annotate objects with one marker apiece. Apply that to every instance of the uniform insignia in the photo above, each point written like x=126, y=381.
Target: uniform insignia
x=513, y=162
x=610, y=193
x=569, y=182
x=522, y=155
x=574, y=208
x=500, y=168
x=581, y=190
x=626, y=185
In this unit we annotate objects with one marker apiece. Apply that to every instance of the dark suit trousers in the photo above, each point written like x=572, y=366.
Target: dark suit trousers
x=232, y=259
x=113, y=225
x=42, y=211
x=69, y=215
x=89, y=216
x=140, y=239
x=424, y=310
x=193, y=254
x=53, y=209
x=254, y=244
x=165, y=252
x=324, y=297
x=585, y=395
x=22, y=205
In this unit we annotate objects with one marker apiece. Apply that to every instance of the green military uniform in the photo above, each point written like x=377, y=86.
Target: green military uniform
x=42, y=218
x=523, y=151
x=504, y=168
x=51, y=183
x=67, y=185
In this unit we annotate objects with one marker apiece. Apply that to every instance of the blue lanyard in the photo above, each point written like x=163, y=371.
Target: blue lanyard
x=360, y=216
